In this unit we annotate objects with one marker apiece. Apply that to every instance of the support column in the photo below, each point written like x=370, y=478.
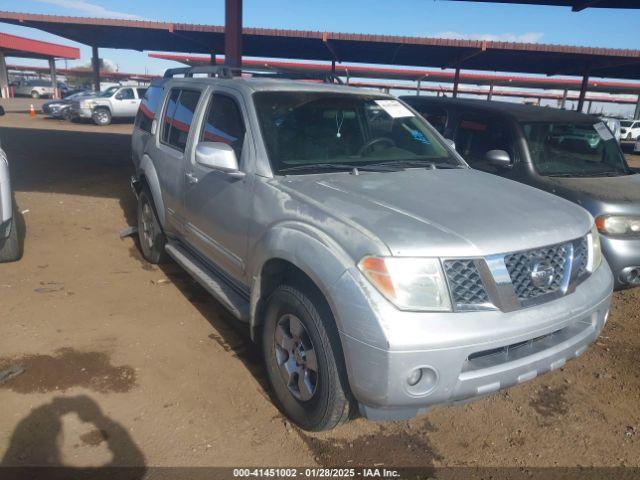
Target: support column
x=490, y=94
x=563, y=102
x=583, y=90
x=95, y=65
x=233, y=33
x=212, y=59
x=456, y=82
x=589, y=106
x=54, y=79
x=419, y=85
x=4, y=78
x=636, y=115
x=333, y=68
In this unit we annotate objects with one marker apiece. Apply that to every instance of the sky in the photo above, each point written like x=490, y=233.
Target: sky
x=557, y=25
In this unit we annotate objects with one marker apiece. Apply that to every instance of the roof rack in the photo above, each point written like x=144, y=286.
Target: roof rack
x=267, y=71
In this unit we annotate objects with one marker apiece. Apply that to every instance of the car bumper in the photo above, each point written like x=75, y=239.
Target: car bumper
x=462, y=355
x=623, y=256
x=82, y=112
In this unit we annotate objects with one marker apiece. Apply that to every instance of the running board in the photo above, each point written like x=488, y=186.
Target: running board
x=215, y=285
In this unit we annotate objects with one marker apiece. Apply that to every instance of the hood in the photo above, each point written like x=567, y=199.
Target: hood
x=459, y=212
x=622, y=189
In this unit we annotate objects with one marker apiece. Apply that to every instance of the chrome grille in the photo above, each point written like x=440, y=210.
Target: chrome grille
x=581, y=256
x=521, y=268
x=465, y=283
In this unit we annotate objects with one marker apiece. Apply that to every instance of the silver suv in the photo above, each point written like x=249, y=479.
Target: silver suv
x=375, y=269
x=10, y=248
x=114, y=102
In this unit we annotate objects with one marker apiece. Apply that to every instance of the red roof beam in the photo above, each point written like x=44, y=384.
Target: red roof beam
x=20, y=45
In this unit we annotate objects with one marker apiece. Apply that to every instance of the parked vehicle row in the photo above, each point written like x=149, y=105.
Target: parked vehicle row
x=115, y=102
x=374, y=267
x=566, y=153
x=36, y=88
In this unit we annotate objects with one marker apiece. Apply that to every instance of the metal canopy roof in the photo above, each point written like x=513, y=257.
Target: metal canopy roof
x=14, y=46
x=576, y=5
x=342, y=47
x=415, y=74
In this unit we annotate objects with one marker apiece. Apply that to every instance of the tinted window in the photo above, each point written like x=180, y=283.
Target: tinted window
x=126, y=94
x=141, y=92
x=178, y=117
x=436, y=116
x=148, y=107
x=224, y=123
x=475, y=136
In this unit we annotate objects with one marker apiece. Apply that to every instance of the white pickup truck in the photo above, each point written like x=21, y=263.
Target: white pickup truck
x=114, y=102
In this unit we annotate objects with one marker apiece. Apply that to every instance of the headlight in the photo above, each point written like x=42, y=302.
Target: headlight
x=86, y=104
x=618, y=225
x=408, y=283
x=595, y=251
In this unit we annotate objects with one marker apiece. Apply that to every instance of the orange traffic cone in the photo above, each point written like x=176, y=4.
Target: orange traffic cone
x=32, y=111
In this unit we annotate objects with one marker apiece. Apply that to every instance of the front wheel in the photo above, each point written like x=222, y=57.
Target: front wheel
x=10, y=250
x=101, y=116
x=304, y=360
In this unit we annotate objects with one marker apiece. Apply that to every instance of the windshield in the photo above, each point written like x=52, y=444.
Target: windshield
x=574, y=149
x=304, y=131
x=108, y=92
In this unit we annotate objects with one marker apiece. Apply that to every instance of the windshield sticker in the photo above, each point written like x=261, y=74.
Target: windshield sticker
x=394, y=108
x=603, y=131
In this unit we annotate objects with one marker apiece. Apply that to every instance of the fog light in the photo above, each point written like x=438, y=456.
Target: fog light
x=414, y=377
x=422, y=381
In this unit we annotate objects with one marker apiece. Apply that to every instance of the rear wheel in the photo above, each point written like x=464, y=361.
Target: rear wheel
x=35, y=95
x=304, y=360
x=101, y=116
x=10, y=250
x=150, y=234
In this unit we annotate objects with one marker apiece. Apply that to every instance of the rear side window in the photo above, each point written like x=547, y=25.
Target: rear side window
x=148, y=107
x=178, y=117
x=141, y=92
x=224, y=123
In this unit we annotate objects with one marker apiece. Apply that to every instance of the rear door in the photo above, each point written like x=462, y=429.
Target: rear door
x=216, y=204
x=172, y=140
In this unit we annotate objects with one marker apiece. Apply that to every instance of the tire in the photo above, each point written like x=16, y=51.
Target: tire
x=151, y=238
x=101, y=116
x=10, y=250
x=67, y=115
x=324, y=400
x=35, y=95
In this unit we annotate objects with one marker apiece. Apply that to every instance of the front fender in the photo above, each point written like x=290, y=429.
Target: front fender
x=311, y=250
x=148, y=171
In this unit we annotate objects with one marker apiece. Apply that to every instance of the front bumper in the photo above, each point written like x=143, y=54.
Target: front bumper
x=464, y=355
x=622, y=254
x=77, y=112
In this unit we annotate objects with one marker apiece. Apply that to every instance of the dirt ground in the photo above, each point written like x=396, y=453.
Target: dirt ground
x=129, y=364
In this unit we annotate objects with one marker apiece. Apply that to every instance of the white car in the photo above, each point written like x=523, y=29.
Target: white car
x=630, y=129
x=115, y=102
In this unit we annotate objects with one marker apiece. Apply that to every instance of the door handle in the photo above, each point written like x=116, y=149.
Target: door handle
x=191, y=178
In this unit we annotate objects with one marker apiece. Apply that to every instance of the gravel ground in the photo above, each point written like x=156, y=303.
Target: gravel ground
x=130, y=364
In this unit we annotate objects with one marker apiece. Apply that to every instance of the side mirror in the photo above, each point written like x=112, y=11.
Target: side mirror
x=498, y=158
x=1, y=111
x=451, y=143
x=218, y=156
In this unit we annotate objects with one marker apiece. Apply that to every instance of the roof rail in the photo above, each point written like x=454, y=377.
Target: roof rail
x=267, y=70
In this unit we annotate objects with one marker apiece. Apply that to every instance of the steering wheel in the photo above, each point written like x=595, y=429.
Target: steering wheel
x=375, y=141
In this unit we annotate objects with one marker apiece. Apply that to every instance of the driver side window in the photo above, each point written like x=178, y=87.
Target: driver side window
x=476, y=135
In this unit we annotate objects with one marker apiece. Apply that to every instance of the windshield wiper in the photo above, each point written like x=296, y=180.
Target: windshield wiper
x=415, y=164
x=345, y=167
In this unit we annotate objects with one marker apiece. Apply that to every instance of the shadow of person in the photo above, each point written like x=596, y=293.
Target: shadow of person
x=34, y=451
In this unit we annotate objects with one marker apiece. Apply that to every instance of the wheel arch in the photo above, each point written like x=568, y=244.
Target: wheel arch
x=298, y=253
x=147, y=175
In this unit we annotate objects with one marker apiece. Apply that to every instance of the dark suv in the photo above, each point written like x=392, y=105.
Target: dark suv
x=570, y=154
